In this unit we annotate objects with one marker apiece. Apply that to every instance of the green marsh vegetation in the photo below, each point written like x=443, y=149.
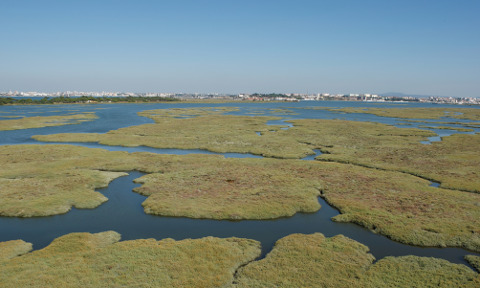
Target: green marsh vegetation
x=453, y=162
x=415, y=113
x=474, y=261
x=45, y=121
x=84, y=99
x=198, y=128
x=159, y=114
x=401, y=206
x=366, y=171
x=100, y=260
x=14, y=248
x=447, y=128
x=298, y=260
x=218, y=188
x=413, y=271
x=427, y=122
x=398, y=205
x=316, y=261
x=308, y=261
x=43, y=181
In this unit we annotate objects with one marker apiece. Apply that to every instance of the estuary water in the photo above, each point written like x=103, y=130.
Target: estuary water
x=123, y=212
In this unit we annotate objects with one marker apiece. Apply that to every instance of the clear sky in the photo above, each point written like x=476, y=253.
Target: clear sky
x=228, y=46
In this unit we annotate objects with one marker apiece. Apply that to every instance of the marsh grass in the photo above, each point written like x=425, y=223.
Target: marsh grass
x=399, y=205
x=297, y=260
x=474, y=261
x=453, y=162
x=415, y=113
x=198, y=128
x=414, y=271
x=308, y=261
x=159, y=114
x=99, y=260
x=459, y=129
x=316, y=261
x=219, y=188
x=14, y=248
x=45, y=121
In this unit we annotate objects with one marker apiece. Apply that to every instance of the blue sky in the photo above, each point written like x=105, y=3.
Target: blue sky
x=343, y=46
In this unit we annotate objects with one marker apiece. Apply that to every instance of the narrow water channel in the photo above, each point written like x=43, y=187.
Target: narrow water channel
x=123, y=213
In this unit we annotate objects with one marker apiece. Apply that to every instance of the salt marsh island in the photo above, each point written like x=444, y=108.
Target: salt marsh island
x=243, y=165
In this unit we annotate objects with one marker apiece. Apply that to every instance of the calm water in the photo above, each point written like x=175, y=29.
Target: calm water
x=124, y=213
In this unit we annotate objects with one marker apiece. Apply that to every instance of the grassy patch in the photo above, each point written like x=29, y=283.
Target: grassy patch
x=45, y=121
x=218, y=188
x=447, y=128
x=159, y=114
x=453, y=162
x=99, y=260
x=315, y=261
x=406, y=209
x=401, y=206
x=14, y=248
x=42, y=181
x=416, y=113
x=474, y=261
x=413, y=271
x=308, y=261
x=473, y=125
x=197, y=128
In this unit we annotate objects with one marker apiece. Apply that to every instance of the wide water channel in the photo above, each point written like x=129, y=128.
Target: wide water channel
x=123, y=211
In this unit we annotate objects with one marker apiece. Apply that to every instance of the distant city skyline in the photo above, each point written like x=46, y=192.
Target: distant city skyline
x=412, y=47
x=169, y=93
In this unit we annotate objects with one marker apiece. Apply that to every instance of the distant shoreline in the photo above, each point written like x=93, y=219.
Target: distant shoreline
x=4, y=100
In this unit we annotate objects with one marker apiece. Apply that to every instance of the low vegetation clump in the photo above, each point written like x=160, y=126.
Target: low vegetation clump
x=160, y=114
x=464, y=124
x=472, y=125
x=401, y=206
x=197, y=128
x=85, y=99
x=308, y=261
x=99, y=260
x=40, y=180
x=218, y=188
x=414, y=271
x=44, y=195
x=459, y=129
x=453, y=162
x=14, y=248
x=45, y=121
x=474, y=261
x=406, y=209
x=315, y=261
x=398, y=205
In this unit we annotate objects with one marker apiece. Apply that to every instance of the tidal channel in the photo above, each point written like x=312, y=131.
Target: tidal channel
x=124, y=213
